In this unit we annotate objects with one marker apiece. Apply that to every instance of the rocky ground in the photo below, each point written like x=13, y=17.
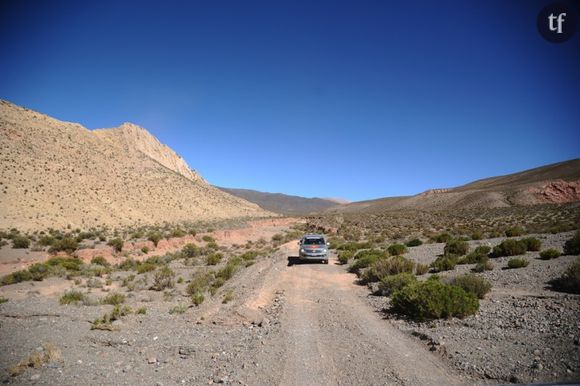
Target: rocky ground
x=524, y=331
x=281, y=323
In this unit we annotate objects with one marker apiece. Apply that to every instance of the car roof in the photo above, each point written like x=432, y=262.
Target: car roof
x=313, y=236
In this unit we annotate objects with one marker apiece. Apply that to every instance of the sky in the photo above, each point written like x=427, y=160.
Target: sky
x=359, y=100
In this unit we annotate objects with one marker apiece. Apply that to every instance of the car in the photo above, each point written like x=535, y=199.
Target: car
x=314, y=247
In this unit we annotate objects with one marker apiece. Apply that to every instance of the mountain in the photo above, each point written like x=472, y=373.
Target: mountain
x=57, y=173
x=555, y=183
x=282, y=203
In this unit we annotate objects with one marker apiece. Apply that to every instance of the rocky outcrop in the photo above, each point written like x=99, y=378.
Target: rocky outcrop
x=558, y=191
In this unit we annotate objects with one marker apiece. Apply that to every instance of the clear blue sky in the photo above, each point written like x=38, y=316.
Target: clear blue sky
x=360, y=99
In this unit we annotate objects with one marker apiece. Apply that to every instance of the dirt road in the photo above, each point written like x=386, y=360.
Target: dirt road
x=329, y=336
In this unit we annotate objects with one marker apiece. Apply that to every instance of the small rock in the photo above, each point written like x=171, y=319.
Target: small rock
x=152, y=360
x=35, y=377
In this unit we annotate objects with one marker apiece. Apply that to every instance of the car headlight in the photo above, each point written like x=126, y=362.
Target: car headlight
x=302, y=250
x=324, y=250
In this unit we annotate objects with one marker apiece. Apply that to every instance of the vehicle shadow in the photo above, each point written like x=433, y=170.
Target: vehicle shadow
x=295, y=260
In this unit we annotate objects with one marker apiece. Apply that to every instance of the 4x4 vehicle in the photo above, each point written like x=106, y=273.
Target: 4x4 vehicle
x=314, y=247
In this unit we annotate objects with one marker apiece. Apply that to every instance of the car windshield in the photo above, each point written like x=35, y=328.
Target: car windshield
x=314, y=241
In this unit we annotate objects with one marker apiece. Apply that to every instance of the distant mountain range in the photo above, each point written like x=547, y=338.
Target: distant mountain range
x=283, y=203
x=555, y=183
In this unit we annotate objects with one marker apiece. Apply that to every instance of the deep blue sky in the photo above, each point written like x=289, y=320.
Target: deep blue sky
x=360, y=99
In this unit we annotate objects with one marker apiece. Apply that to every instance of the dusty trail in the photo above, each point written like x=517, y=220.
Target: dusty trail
x=329, y=336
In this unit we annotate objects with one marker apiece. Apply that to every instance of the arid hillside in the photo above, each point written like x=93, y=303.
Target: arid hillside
x=283, y=203
x=552, y=184
x=55, y=173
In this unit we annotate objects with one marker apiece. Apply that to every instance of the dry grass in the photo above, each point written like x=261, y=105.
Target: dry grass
x=49, y=354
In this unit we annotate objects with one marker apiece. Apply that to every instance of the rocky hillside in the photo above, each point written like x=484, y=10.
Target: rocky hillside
x=283, y=203
x=56, y=173
x=556, y=183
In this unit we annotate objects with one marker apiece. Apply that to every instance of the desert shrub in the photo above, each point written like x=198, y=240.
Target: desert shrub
x=514, y=231
x=354, y=246
x=105, y=322
x=197, y=298
x=66, y=244
x=387, y=266
x=365, y=259
x=72, y=297
x=344, y=256
x=397, y=249
x=278, y=237
x=128, y=264
x=474, y=284
x=3, y=300
x=442, y=238
x=474, y=257
x=116, y=243
x=141, y=311
x=190, y=250
x=178, y=309
x=392, y=283
x=509, y=247
x=200, y=281
x=16, y=277
x=570, y=280
x=229, y=270
x=482, y=250
x=214, y=258
x=20, y=242
x=572, y=246
x=154, y=237
x=114, y=298
x=414, y=243
x=46, y=240
x=549, y=254
x=145, y=267
x=517, y=262
x=444, y=263
x=483, y=266
x=178, y=232
x=476, y=235
x=208, y=239
x=456, y=247
x=39, y=271
x=228, y=297
x=68, y=263
x=532, y=243
x=163, y=279
x=145, y=249
x=249, y=255
x=421, y=269
x=432, y=299
x=100, y=260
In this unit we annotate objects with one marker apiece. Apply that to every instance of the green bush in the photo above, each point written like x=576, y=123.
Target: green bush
x=145, y=267
x=214, y=258
x=532, y=244
x=68, y=263
x=72, y=297
x=365, y=259
x=344, y=256
x=145, y=249
x=208, y=239
x=549, y=254
x=200, y=281
x=572, y=246
x=444, y=263
x=39, y=271
x=163, y=279
x=517, y=262
x=392, y=283
x=67, y=244
x=476, y=235
x=421, y=269
x=456, y=247
x=178, y=232
x=154, y=237
x=514, y=231
x=197, y=298
x=116, y=243
x=509, y=247
x=114, y=298
x=483, y=266
x=46, y=240
x=16, y=277
x=414, y=243
x=386, y=266
x=354, y=246
x=432, y=299
x=442, y=238
x=229, y=270
x=20, y=242
x=474, y=284
x=570, y=280
x=100, y=260
x=482, y=250
x=397, y=249
x=128, y=264
x=474, y=258
x=191, y=250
